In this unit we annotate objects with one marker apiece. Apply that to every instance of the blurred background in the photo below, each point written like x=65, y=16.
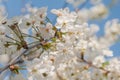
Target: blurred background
x=17, y=8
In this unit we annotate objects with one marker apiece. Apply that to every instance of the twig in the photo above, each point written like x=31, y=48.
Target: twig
x=91, y=65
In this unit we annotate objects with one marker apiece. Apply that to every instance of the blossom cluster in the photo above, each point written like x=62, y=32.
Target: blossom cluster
x=68, y=50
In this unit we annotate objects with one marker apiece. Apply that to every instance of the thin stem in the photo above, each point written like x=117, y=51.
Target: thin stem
x=15, y=31
x=30, y=36
x=12, y=43
x=12, y=38
x=20, y=33
x=48, y=20
x=37, y=31
x=34, y=29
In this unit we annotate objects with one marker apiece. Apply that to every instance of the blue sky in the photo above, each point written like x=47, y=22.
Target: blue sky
x=14, y=9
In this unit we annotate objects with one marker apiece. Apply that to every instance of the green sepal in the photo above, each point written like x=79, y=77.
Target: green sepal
x=53, y=39
x=47, y=46
x=105, y=64
x=16, y=71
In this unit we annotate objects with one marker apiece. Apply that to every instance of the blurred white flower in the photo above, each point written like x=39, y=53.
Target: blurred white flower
x=47, y=32
x=99, y=60
x=107, y=52
x=75, y=3
x=95, y=2
x=98, y=11
x=4, y=58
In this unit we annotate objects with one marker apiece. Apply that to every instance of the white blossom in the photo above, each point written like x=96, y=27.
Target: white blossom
x=67, y=50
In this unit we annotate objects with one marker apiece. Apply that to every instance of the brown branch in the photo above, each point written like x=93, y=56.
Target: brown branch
x=17, y=59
